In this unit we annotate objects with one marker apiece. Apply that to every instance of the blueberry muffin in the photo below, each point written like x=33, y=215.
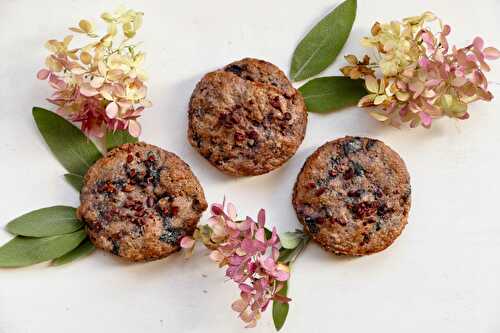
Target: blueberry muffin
x=353, y=196
x=246, y=119
x=138, y=202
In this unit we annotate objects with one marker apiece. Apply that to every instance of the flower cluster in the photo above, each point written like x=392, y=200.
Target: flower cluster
x=250, y=253
x=417, y=76
x=101, y=85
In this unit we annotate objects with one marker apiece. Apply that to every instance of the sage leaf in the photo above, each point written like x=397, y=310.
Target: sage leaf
x=288, y=256
x=51, y=221
x=332, y=93
x=323, y=43
x=84, y=249
x=24, y=251
x=76, y=181
x=118, y=138
x=69, y=145
x=280, y=310
x=290, y=240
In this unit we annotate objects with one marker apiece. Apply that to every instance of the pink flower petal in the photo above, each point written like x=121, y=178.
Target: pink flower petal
x=187, y=242
x=236, y=260
x=245, y=288
x=260, y=235
x=282, y=275
x=134, y=128
x=424, y=62
x=88, y=91
x=491, y=53
x=112, y=110
x=478, y=43
x=217, y=209
x=216, y=256
x=231, y=211
x=427, y=38
x=239, y=305
x=446, y=30
x=247, y=245
x=261, y=217
x=268, y=264
x=425, y=118
x=43, y=74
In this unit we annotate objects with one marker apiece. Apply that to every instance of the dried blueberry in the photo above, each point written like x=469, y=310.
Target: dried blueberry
x=352, y=146
x=311, y=224
x=116, y=247
x=172, y=235
x=235, y=69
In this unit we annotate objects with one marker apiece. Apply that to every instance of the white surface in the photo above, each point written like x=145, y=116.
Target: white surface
x=441, y=275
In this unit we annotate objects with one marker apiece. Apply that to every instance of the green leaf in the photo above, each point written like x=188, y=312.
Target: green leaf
x=290, y=240
x=45, y=222
x=117, y=138
x=69, y=145
x=84, y=249
x=323, y=43
x=76, y=181
x=24, y=251
x=332, y=93
x=288, y=256
x=280, y=310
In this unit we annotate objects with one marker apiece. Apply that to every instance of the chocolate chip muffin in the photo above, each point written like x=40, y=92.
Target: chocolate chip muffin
x=138, y=202
x=246, y=119
x=353, y=196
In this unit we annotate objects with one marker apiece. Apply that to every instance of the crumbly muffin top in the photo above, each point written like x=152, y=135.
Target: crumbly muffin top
x=353, y=196
x=139, y=201
x=246, y=119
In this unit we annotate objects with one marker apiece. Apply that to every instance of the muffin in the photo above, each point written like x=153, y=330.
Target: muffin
x=246, y=119
x=138, y=202
x=353, y=196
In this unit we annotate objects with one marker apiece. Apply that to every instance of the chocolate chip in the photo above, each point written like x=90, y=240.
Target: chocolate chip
x=287, y=116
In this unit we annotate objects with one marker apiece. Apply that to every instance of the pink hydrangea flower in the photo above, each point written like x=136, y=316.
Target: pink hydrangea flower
x=251, y=258
x=417, y=77
x=100, y=85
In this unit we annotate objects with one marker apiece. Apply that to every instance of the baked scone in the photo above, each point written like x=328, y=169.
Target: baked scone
x=353, y=196
x=138, y=202
x=246, y=119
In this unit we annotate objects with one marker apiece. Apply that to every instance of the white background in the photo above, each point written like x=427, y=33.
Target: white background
x=441, y=275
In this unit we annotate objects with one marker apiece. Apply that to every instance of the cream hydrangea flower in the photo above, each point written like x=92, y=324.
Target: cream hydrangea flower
x=417, y=77
x=100, y=84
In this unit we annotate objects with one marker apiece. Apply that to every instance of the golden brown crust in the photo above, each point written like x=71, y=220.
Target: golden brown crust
x=353, y=196
x=246, y=119
x=139, y=200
